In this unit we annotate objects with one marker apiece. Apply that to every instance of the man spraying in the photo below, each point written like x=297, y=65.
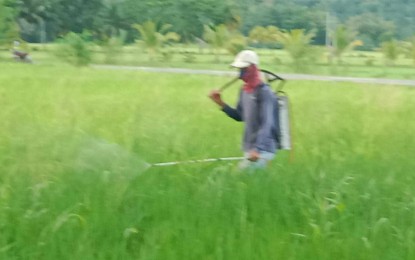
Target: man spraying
x=256, y=108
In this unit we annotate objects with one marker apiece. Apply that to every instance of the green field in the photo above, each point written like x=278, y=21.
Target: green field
x=73, y=183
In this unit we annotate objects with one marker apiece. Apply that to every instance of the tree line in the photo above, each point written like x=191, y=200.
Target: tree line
x=373, y=21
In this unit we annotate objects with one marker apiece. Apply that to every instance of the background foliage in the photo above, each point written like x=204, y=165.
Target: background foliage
x=374, y=21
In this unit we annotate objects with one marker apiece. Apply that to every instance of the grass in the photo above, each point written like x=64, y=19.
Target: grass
x=73, y=184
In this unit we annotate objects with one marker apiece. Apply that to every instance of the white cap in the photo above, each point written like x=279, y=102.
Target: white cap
x=245, y=59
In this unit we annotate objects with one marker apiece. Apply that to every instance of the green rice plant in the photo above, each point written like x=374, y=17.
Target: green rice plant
x=73, y=142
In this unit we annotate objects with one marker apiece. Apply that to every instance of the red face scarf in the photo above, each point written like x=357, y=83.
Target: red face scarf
x=252, y=78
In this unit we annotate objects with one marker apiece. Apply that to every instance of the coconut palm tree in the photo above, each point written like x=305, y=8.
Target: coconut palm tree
x=344, y=41
x=298, y=44
x=217, y=37
x=154, y=38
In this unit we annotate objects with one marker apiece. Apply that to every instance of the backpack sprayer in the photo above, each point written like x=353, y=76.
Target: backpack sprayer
x=284, y=116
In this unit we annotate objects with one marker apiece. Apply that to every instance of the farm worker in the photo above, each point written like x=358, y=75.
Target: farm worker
x=256, y=108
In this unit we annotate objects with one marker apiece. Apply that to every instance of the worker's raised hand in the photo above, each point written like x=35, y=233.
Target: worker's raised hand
x=216, y=97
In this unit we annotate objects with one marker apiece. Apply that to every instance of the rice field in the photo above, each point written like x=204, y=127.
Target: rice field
x=76, y=143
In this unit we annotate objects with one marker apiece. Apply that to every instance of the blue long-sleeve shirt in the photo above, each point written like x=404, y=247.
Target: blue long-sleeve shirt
x=258, y=111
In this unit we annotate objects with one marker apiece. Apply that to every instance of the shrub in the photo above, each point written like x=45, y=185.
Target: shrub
x=390, y=51
x=189, y=57
x=370, y=62
x=74, y=49
x=236, y=44
x=166, y=55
